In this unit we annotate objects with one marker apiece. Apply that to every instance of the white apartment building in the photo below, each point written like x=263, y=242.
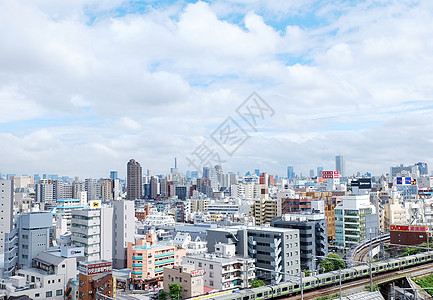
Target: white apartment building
x=193, y=247
x=350, y=224
x=93, y=230
x=224, y=270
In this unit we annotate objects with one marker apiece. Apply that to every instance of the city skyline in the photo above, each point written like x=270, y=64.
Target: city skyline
x=422, y=168
x=88, y=85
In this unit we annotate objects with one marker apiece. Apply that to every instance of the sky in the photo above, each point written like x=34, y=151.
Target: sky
x=86, y=85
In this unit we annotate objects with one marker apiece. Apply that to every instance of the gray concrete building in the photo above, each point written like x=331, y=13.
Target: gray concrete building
x=34, y=236
x=274, y=249
x=313, y=235
x=6, y=226
x=123, y=230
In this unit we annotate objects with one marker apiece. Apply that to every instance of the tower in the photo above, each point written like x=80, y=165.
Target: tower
x=134, y=181
x=340, y=165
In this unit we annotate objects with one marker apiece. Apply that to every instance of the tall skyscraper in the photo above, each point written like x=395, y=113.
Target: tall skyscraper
x=134, y=181
x=311, y=173
x=290, y=172
x=340, y=165
x=319, y=171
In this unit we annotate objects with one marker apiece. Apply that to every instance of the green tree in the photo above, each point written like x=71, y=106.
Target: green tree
x=326, y=265
x=257, y=283
x=174, y=292
x=162, y=295
x=334, y=262
x=337, y=261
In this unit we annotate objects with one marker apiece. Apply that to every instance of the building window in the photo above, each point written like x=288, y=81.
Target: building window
x=37, y=295
x=49, y=294
x=59, y=292
x=211, y=267
x=211, y=282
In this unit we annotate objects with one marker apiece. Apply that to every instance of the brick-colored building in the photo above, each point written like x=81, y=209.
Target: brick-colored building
x=95, y=278
x=142, y=213
x=147, y=259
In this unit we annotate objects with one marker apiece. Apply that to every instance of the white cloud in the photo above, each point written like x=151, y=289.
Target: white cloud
x=129, y=123
x=152, y=85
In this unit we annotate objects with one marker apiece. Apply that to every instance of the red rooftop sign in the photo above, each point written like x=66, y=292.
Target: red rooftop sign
x=410, y=228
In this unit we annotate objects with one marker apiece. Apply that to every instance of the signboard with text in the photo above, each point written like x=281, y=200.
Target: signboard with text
x=330, y=174
x=410, y=228
x=95, y=268
x=197, y=273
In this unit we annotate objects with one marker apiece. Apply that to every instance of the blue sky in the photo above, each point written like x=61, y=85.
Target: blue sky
x=87, y=85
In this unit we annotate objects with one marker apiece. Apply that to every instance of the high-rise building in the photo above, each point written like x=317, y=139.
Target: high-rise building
x=311, y=173
x=401, y=168
x=114, y=175
x=313, y=235
x=106, y=189
x=154, y=187
x=123, y=231
x=44, y=191
x=93, y=230
x=6, y=212
x=92, y=188
x=319, y=171
x=340, y=165
x=422, y=168
x=290, y=172
x=134, y=180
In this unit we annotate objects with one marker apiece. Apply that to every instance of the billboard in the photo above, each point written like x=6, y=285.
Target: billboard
x=424, y=191
x=406, y=181
x=72, y=251
x=362, y=183
x=95, y=268
x=330, y=174
x=409, y=228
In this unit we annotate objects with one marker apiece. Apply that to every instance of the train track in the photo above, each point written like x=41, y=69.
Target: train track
x=362, y=254
x=335, y=289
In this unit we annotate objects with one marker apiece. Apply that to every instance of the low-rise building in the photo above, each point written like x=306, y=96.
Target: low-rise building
x=184, y=240
x=223, y=270
x=95, y=280
x=47, y=278
x=147, y=257
x=187, y=277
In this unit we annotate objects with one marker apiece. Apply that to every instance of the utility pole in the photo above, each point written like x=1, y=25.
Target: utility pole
x=371, y=273
x=339, y=271
x=302, y=287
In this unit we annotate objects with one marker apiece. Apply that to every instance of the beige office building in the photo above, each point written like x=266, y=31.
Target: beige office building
x=187, y=277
